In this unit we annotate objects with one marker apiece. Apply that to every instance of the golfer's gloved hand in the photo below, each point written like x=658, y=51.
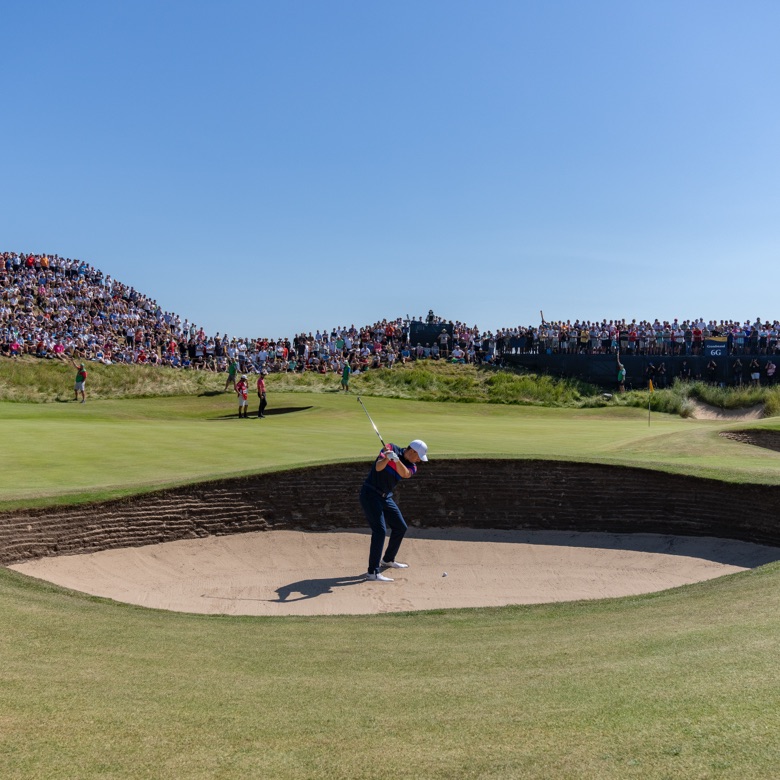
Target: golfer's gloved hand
x=390, y=455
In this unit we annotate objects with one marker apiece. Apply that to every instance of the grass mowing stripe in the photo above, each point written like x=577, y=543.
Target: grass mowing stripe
x=111, y=448
x=680, y=682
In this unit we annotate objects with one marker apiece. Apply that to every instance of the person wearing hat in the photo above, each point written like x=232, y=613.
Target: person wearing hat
x=376, y=497
x=261, y=393
x=81, y=378
x=243, y=397
x=444, y=343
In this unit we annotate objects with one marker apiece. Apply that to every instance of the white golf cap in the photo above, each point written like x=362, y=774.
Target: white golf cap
x=421, y=448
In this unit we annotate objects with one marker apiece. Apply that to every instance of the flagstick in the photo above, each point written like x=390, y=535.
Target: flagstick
x=649, y=397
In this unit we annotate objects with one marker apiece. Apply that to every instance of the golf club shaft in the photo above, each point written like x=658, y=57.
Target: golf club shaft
x=372, y=422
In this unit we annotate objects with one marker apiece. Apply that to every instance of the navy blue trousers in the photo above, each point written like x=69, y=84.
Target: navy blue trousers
x=381, y=513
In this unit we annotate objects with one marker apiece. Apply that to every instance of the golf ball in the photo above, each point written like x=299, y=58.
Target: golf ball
x=444, y=575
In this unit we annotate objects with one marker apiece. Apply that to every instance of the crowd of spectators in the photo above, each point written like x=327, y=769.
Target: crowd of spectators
x=686, y=337
x=54, y=307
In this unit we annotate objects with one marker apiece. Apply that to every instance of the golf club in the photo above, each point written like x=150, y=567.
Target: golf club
x=372, y=422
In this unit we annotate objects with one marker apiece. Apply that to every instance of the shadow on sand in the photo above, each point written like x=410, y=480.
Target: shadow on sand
x=310, y=589
x=726, y=551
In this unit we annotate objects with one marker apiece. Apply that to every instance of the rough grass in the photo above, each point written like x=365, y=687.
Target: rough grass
x=42, y=381
x=678, y=398
x=441, y=381
x=36, y=381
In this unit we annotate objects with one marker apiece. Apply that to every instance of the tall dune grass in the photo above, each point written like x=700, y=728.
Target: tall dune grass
x=42, y=381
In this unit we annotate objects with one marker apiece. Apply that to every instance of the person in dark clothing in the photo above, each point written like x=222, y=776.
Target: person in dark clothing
x=261, y=394
x=737, y=370
x=376, y=497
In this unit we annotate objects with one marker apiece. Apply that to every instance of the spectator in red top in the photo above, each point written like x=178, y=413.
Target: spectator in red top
x=697, y=339
x=261, y=393
x=81, y=378
x=243, y=402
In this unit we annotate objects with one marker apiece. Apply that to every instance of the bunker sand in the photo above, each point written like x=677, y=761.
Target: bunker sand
x=308, y=573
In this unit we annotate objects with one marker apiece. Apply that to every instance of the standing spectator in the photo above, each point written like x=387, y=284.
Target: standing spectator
x=688, y=339
x=81, y=379
x=737, y=371
x=770, y=368
x=650, y=373
x=345, y=372
x=584, y=336
x=621, y=376
x=753, y=341
x=755, y=372
x=697, y=337
x=444, y=343
x=231, y=377
x=633, y=339
x=261, y=394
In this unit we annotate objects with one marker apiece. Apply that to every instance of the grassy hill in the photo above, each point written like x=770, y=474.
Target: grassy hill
x=41, y=381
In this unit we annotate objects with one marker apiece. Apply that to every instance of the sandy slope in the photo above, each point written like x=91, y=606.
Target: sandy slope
x=304, y=573
x=702, y=411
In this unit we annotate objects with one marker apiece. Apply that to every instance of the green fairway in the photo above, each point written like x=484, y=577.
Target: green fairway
x=114, y=447
x=681, y=684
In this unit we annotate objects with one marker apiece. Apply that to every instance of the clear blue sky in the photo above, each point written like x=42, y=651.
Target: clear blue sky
x=270, y=167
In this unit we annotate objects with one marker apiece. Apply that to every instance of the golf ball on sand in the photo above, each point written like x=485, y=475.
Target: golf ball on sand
x=444, y=575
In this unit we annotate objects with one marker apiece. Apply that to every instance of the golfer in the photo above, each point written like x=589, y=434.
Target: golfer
x=243, y=402
x=376, y=497
x=261, y=393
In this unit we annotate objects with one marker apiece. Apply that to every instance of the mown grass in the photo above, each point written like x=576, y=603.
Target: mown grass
x=681, y=684
x=71, y=453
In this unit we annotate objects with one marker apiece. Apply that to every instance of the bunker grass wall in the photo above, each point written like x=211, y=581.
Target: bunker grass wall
x=478, y=493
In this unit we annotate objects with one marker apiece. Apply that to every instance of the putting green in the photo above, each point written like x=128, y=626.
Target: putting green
x=75, y=452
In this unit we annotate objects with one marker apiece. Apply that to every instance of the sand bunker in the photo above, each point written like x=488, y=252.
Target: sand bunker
x=305, y=573
x=702, y=411
x=767, y=439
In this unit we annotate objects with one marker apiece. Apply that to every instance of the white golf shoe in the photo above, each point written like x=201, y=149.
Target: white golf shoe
x=394, y=565
x=378, y=577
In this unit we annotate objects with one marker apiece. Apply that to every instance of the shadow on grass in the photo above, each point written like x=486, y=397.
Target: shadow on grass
x=268, y=413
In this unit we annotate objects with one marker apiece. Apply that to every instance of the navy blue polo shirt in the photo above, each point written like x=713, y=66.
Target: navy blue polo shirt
x=384, y=481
